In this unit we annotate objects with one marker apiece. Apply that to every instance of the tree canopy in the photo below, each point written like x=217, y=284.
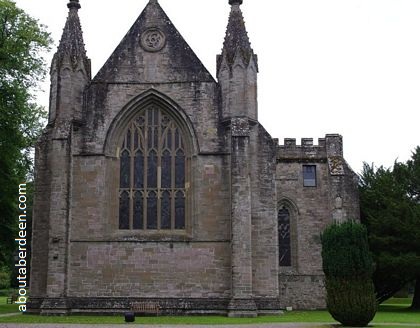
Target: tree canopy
x=390, y=208
x=22, y=43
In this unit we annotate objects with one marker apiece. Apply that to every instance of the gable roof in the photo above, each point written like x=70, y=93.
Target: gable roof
x=153, y=51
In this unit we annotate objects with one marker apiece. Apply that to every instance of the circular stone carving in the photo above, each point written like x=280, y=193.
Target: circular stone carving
x=153, y=40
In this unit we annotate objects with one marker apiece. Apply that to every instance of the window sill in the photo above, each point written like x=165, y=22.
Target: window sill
x=151, y=236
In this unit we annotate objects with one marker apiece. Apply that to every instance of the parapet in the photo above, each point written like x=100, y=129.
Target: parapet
x=331, y=145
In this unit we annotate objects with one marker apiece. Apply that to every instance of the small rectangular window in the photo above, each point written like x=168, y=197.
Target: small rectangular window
x=309, y=175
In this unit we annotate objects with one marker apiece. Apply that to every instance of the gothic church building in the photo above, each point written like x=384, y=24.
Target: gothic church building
x=156, y=183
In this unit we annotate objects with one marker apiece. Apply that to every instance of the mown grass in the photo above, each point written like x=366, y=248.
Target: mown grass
x=397, y=310
x=298, y=316
x=7, y=308
x=394, y=311
x=398, y=301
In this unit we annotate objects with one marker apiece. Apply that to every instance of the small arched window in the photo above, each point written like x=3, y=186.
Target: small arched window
x=153, y=165
x=285, y=254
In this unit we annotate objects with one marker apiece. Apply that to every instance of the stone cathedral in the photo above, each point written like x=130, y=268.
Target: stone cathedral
x=156, y=183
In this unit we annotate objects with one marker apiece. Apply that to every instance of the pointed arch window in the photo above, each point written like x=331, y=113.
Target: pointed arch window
x=153, y=174
x=285, y=254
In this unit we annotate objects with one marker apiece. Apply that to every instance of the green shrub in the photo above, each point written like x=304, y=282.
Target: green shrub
x=348, y=268
x=4, y=278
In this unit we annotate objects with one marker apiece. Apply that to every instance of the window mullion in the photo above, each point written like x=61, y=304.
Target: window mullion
x=172, y=192
x=146, y=167
x=131, y=192
x=153, y=128
x=159, y=171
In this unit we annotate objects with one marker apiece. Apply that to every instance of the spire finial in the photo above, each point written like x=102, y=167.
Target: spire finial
x=236, y=40
x=71, y=43
x=73, y=4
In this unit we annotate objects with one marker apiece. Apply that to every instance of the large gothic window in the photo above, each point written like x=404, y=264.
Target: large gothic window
x=153, y=174
x=285, y=255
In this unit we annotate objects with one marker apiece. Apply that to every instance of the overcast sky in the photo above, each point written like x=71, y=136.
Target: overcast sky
x=326, y=66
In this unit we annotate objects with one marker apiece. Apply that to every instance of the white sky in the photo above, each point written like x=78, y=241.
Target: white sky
x=326, y=66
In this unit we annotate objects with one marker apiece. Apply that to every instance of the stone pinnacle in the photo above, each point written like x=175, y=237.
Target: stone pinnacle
x=73, y=4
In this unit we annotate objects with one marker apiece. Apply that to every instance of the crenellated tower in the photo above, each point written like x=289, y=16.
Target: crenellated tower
x=237, y=69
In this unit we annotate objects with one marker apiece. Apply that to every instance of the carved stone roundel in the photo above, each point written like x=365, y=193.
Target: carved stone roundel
x=153, y=40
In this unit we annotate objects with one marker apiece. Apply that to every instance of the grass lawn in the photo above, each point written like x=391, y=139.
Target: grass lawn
x=397, y=310
x=7, y=308
x=394, y=311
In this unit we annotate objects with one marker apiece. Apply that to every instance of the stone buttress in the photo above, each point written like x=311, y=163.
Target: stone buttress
x=70, y=74
x=250, y=145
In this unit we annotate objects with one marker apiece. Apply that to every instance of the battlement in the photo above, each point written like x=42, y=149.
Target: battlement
x=331, y=145
x=290, y=143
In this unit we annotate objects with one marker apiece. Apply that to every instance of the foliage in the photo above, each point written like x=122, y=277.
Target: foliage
x=348, y=267
x=4, y=278
x=343, y=256
x=390, y=208
x=22, y=40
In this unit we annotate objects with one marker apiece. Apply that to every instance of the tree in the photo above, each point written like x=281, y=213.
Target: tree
x=390, y=208
x=22, y=41
x=412, y=182
x=348, y=268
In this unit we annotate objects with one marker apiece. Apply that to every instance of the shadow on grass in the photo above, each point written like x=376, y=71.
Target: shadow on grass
x=397, y=308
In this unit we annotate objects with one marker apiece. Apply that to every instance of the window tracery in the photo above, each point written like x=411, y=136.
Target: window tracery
x=285, y=255
x=153, y=165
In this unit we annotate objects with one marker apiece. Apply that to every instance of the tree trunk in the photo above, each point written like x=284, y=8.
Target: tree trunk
x=416, y=298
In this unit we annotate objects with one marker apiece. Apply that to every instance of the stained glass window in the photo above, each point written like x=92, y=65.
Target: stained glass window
x=166, y=169
x=152, y=211
x=166, y=211
x=139, y=170
x=179, y=210
x=153, y=164
x=125, y=170
x=124, y=210
x=285, y=256
x=152, y=169
x=138, y=211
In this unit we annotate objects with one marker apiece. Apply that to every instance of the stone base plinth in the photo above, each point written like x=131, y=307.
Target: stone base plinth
x=55, y=306
x=242, y=308
x=168, y=306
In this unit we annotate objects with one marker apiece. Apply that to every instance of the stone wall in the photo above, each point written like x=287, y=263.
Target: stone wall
x=111, y=106
x=150, y=269
x=302, y=292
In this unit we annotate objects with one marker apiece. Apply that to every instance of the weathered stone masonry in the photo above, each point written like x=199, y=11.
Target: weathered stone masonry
x=235, y=179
